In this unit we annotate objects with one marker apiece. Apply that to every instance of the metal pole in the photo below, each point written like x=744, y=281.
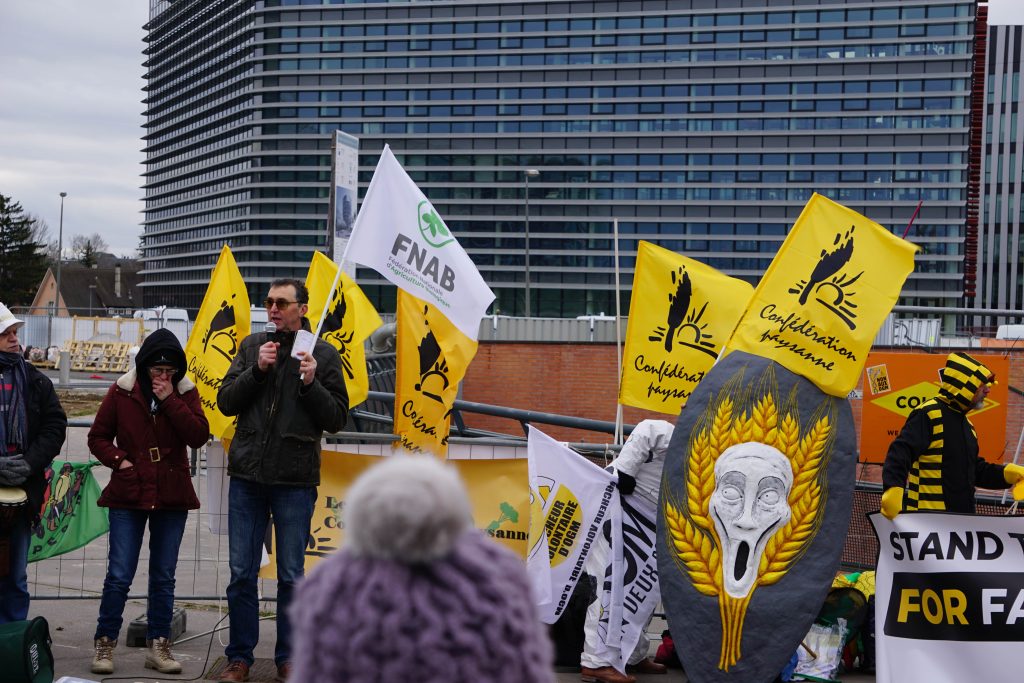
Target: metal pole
x=526, y=197
x=60, y=248
x=526, y=176
x=53, y=309
x=618, y=337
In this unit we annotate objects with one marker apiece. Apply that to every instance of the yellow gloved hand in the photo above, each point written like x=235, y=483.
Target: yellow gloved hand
x=892, y=502
x=1018, y=490
x=1013, y=473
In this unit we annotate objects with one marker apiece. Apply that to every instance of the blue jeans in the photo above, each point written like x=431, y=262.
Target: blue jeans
x=166, y=527
x=14, y=595
x=250, y=506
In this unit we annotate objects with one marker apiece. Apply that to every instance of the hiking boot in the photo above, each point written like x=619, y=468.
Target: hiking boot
x=103, y=660
x=235, y=672
x=158, y=657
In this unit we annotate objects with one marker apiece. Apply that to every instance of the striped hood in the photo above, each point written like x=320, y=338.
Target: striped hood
x=961, y=378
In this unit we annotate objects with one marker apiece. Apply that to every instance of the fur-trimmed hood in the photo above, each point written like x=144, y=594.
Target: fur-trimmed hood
x=127, y=381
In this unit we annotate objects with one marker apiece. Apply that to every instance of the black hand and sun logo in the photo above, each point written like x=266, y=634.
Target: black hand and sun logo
x=830, y=286
x=222, y=336
x=333, y=332
x=433, y=366
x=683, y=320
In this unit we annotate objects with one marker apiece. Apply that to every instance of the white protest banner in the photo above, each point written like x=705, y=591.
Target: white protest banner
x=949, y=601
x=570, y=497
x=625, y=610
x=399, y=234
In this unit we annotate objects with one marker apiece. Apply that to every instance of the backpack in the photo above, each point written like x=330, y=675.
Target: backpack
x=25, y=652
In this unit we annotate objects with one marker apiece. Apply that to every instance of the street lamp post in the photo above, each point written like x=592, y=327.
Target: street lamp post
x=60, y=248
x=92, y=288
x=527, y=174
x=56, y=301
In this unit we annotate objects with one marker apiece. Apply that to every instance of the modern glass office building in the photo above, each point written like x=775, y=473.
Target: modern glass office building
x=701, y=125
x=1001, y=249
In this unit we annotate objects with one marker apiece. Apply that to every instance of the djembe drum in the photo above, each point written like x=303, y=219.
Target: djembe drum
x=12, y=503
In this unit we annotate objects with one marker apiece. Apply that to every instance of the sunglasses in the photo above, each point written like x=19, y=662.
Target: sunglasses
x=156, y=372
x=280, y=303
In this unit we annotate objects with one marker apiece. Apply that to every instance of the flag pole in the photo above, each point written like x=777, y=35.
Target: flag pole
x=919, y=202
x=618, y=337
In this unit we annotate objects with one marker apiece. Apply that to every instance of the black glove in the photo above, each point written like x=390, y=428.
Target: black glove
x=14, y=470
x=626, y=483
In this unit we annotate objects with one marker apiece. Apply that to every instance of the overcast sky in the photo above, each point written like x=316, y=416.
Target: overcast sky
x=70, y=112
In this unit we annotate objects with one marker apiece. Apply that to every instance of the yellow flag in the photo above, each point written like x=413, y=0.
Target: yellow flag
x=222, y=323
x=351, y=318
x=820, y=303
x=681, y=312
x=432, y=358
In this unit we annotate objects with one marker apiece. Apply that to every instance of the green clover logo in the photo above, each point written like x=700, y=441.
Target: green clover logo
x=431, y=226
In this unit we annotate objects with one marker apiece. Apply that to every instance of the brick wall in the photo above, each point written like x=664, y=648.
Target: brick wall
x=580, y=380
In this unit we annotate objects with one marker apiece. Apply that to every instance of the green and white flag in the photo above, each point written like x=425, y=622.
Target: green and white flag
x=69, y=517
x=399, y=234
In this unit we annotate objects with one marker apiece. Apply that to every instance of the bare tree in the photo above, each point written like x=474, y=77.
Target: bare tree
x=41, y=235
x=86, y=248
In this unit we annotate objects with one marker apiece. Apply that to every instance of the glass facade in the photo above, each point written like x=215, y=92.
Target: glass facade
x=698, y=127
x=1001, y=250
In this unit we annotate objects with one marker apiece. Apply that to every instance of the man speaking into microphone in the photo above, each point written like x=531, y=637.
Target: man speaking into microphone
x=285, y=398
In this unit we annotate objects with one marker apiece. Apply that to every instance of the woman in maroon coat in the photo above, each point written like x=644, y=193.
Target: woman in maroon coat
x=141, y=432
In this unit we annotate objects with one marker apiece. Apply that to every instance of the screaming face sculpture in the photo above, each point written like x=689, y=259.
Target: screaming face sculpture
x=748, y=505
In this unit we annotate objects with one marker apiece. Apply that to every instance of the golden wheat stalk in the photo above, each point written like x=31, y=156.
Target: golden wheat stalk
x=765, y=421
x=698, y=552
x=733, y=612
x=806, y=506
x=700, y=479
x=720, y=428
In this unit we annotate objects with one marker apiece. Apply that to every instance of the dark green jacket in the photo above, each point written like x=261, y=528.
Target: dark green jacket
x=281, y=421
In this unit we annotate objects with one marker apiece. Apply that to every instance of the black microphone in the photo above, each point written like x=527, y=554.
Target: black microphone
x=271, y=329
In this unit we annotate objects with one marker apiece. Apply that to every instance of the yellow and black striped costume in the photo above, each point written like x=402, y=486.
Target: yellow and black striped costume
x=935, y=455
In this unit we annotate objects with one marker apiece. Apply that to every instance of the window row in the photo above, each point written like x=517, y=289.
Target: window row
x=675, y=91
x=939, y=121
x=619, y=108
x=764, y=39
x=653, y=194
x=544, y=186
x=692, y=160
x=478, y=60
x=604, y=24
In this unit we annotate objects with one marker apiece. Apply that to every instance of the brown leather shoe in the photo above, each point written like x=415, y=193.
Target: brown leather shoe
x=235, y=672
x=284, y=670
x=647, y=666
x=606, y=674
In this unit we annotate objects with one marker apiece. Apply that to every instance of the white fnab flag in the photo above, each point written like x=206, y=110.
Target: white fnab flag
x=400, y=235
x=570, y=497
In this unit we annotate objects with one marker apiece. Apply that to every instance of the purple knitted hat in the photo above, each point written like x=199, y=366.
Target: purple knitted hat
x=416, y=593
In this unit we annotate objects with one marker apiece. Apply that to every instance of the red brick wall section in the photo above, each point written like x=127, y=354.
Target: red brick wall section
x=581, y=379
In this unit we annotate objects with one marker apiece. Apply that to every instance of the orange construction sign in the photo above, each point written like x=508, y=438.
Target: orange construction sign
x=896, y=383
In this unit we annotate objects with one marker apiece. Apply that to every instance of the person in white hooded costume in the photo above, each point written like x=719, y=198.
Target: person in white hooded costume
x=639, y=465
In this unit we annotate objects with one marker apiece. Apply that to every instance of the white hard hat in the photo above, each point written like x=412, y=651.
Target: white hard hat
x=7, y=319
